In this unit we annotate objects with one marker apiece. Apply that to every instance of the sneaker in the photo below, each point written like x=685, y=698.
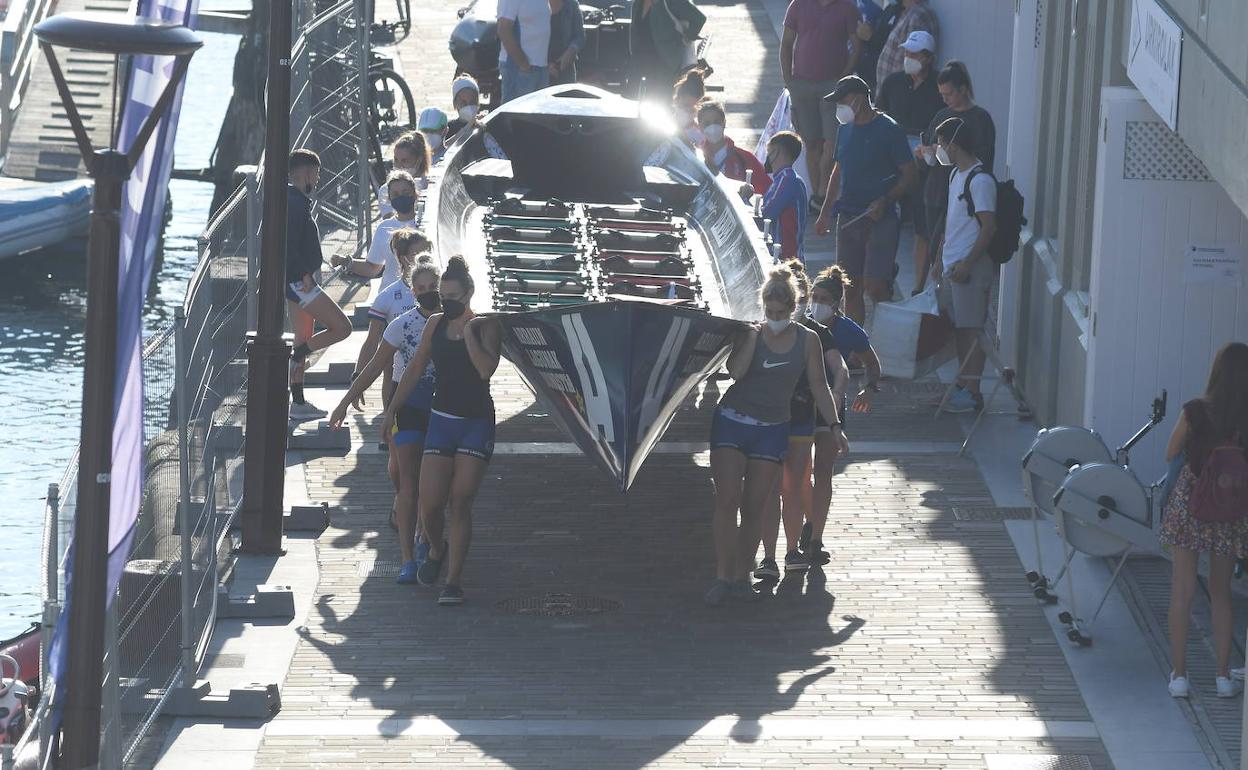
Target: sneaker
x=718, y=593
x=767, y=569
x=794, y=561
x=306, y=411
x=407, y=573
x=451, y=596
x=430, y=568
x=1178, y=686
x=1228, y=687
x=816, y=554
x=743, y=591
x=961, y=402
x=803, y=540
x=422, y=550
x=1237, y=673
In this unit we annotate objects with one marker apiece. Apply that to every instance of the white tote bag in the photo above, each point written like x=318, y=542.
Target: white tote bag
x=911, y=337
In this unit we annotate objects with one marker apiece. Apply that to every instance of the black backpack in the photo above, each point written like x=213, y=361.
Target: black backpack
x=1009, y=216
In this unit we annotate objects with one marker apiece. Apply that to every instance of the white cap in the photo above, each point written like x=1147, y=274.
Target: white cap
x=431, y=119
x=920, y=41
x=462, y=82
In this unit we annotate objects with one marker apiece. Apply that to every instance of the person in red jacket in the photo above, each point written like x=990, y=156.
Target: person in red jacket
x=721, y=155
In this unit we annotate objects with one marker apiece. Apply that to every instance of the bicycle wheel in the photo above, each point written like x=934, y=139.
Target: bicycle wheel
x=392, y=109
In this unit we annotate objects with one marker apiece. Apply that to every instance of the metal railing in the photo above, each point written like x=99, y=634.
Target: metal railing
x=17, y=47
x=195, y=397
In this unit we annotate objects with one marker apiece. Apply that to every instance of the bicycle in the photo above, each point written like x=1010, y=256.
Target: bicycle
x=391, y=109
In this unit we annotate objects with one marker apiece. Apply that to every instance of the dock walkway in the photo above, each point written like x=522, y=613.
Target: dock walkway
x=584, y=642
x=42, y=145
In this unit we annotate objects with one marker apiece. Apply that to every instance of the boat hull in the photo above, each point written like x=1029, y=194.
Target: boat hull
x=36, y=215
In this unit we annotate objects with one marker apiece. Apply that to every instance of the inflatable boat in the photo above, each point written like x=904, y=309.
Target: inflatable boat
x=38, y=214
x=621, y=265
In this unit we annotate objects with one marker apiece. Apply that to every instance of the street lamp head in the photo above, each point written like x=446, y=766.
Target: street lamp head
x=117, y=33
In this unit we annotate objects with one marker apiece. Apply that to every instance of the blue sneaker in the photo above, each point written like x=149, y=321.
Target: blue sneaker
x=961, y=402
x=407, y=574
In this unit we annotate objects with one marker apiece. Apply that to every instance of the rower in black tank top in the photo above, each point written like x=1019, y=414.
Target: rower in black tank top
x=460, y=390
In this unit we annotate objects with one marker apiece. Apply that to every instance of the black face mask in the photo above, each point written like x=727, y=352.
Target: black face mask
x=428, y=300
x=453, y=308
x=404, y=203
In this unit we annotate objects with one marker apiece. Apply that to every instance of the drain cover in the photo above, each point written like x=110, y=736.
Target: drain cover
x=989, y=513
x=377, y=568
x=1038, y=762
x=559, y=605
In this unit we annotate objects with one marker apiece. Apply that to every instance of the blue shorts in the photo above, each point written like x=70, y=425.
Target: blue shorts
x=757, y=442
x=802, y=430
x=449, y=436
x=411, y=423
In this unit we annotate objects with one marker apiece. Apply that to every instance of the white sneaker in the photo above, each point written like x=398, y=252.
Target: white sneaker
x=1178, y=686
x=306, y=411
x=1237, y=673
x=1228, y=688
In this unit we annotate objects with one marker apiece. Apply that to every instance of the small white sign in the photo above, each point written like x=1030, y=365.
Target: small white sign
x=1205, y=264
x=1155, y=57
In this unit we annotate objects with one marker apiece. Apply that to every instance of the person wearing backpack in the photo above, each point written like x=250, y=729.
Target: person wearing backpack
x=964, y=271
x=1207, y=511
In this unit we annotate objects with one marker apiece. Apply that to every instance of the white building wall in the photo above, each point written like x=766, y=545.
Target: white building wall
x=1151, y=330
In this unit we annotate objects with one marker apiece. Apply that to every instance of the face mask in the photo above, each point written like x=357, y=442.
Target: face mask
x=404, y=204
x=452, y=309
x=912, y=66
x=844, y=114
x=714, y=133
x=942, y=157
x=930, y=157
x=821, y=312
x=468, y=112
x=428, y=300
x=778, y=327
x=434, y=140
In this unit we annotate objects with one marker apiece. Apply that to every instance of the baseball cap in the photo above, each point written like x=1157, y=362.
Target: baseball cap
x=850, y=84
x=920, y=41
x=462, y=82
x=431, y=119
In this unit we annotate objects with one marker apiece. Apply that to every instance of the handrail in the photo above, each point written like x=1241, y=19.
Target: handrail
x=17, y=44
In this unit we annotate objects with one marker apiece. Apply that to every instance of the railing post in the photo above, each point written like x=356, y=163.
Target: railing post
x=253, y=248
x=363, y=202
x=186, y=524
x=110, y=700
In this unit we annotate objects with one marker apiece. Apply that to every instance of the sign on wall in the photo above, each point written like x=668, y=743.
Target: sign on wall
x=1155, y=57
x=1213, y=264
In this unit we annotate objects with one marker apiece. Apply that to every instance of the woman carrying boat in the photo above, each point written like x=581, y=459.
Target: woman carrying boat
x=391, y=302
x=795, y=492
x=827, y=306
x=398, y=347
x=750, y=431
x=464, y=349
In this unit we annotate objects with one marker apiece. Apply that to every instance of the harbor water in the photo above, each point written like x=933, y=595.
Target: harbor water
x=42, y=306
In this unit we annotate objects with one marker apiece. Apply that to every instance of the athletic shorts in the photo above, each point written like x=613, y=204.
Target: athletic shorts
x=757, y=442
x=801, y=421
x=966, y=304
x=813, y=118
x=448, y=436
x=411, y=423
x=867, y=248
x=296, y=294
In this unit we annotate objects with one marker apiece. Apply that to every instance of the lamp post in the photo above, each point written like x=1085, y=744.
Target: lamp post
x=268, y=351
x=117, y=34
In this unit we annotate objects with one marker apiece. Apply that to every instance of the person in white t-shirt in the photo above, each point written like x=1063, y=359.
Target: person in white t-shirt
x=411, y=154
x=380, y=260
x=965, y=272
x=392, y=300
x=407, y=439
x=524, y=31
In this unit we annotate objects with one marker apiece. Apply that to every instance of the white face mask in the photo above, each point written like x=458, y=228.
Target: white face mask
x=821, y=312
x=912, y=66
x=778, y=327
x=714, y=133
x=930, y=157
x=468, y=112
x=942, y=157
x=434, y=140
x=844, y=114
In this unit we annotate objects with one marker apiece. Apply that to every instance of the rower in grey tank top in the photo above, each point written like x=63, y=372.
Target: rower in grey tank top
x=766, y=390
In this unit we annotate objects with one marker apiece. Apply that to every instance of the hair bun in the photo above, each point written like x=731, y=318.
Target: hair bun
x=455, y=266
